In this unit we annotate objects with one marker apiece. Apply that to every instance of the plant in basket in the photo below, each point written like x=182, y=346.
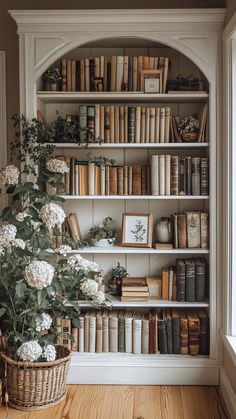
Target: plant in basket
x=103, y=234
x=184, y=83
x=52, y=79
x=37, y=285
x=189, y=128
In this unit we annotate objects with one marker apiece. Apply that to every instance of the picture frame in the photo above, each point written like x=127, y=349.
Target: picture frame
x=151, y=81
x=137, y=229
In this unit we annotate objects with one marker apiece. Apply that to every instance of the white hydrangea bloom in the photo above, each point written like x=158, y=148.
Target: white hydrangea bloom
x=89, y=287
x=18, y=243
x=39, y=274
x=43, y=322
x=57, y=166
x=30, y=351
x=9, y=175
x=63, y=249
x=7, y=234
x=74, y=260
x=21, y=216
x=50, y=353
x=99, y=298
x=77, y=262
x=52, y=215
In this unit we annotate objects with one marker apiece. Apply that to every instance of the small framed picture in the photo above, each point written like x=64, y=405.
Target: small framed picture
x=137, y=229
x=151, y=81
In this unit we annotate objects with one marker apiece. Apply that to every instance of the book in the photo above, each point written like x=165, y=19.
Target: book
x=162, y=336
x=181, y=280
x=204, y=332
x=113, y=180
x=145, y=334
x=136, y=180
x=193, y=229
x=113, y=331
x=154, y=284
x=162, y=125
x=128, y=331
x=99, y=331
x=182, y=176
x=200, y=279
x=113, y=73
x=116, y=124
x=105, y=332
x=119, y=73
x=189, y=280
x=137, y=326
x=155, y=175
x=74, y=226
x=152, y=125
x=196, y=176
x=162, y=174
x=165, y=284
x=74, y=342
x=176, y=331
x=167, y=173
x=184, y=333
x=63, y=75
x=174, y=182
x=66, y=332
x=81, y=333
x=182, y=231
x=68, y=76
x=204, y=221
x=164, y=246
x=153, y=332
x=122, y=124
x=92, y=332
x=169, y=331
x=121, y=331
x=204, y=187
x=131, y=124
x=193, y=332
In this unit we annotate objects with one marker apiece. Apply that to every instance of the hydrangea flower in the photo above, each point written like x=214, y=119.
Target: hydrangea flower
x=7, y=234
x=9, y=175
x=52, y=215
x=78, y=262
x=63, y=249
x=50, y=353
x=18, y=243
x=57, y=166
x=39, y=274
x=89, y=287
x=43, y=322
x=21, y=216
x=30, y=351
x=99, y=298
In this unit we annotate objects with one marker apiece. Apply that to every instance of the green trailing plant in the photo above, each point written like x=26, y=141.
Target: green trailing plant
x=52, y=75
x=101, y=160
x=184, y=83
x=105, y=230
x=115, y=279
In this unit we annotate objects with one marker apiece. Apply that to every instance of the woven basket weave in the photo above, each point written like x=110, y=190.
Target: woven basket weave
x=37, y=385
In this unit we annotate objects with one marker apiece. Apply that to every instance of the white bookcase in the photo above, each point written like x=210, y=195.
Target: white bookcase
x=191, y=38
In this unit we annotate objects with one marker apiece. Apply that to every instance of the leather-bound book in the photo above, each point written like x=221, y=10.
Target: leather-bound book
x=176, y=330
x=137, y=123
x=99, y=66
x=135, y=74
x=121, y=331
x=182, y=231
x=97, y=181
x=140, y=68
x=167, y=173
x=153, y=332
x=188, y=166
x=83, y=178
x=86, y=331
x=117, y=124
x=97, y=123
x=91, y=123
x=184, y=338
x=83, y=123
x=102, y=124
x=130, y=180
x=144, y=180
x=196, y=176
x=162, y=336
x=174, y=222
x=137, y=180
x=157, y=125
x=181, y=280
x=174, y=182
x=63, y=75
x=146, y=63
x=130, y=74
x=165, y=73
x=82, y=76
x=145, y=334
x=72, y=176
x=73, y=76
x=168, y=318
x=152, y=125
x=204, y=176
x=193, y=332
x=120, y=180
x=204, y=216
x=68, y=76
x=113, y=73
x=99, y=331
x=149, y=180
x=162, y=124
x=193, y=229
x=113, y=180
x=190, y=280
x=112, y=124
x=204, y=332
x=86, y=73
x=122, y=124
x=125, y=73
x=107, y=76
x=92, y=75
x=125, y=180
x=171, y=280
x=107, y=124
x=182, y=176
x=142, y=128
x=131, y=124
x=200, y=279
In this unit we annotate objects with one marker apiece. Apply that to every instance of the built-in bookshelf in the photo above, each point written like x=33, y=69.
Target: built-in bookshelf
x=197, y=55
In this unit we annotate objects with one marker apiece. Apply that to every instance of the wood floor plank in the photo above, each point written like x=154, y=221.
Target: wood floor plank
x=147, y=402
x=171, y=403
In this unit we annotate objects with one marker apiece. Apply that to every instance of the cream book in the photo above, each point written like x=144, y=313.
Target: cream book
x=81, y=333
x=162, y=125
x=145, y=334
x=105, y=332
x=137, y=328
x=147, y=125
x=92, y=332
x=113, y=331
x=193, y=229
x=128, y=331
x=137, y=124
x=91, y=178
x=99, y=331
x=157, y=125
x=97, y=122
x=119, y=72
x=112, y=124
x=155, y=175
x=142, y=128
x=167, y=173
x=117, y=124
x=152, y=125
x=167, y=124
x=102, y=122
x=162, y=174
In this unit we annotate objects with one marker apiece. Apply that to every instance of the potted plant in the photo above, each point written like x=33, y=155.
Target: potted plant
x=115, y=280
x=103, y=234
x=52, y=79
x=184, y=83
x=189, y=128
x=37, y=285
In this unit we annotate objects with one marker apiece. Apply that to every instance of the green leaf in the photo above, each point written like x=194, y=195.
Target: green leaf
x=76, y=322
x=7, y=213
x=44, y=254
x=2, y=311
x=20, y=289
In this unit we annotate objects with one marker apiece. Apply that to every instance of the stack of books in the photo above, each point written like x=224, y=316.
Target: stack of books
x=170, y=331
x=115, y=74
x=134, y=289
x=190, y=230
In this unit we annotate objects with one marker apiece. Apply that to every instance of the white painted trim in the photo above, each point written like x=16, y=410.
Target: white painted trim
x=228, y=393
x=230, y=29
x=3, y=111
x=230, y=346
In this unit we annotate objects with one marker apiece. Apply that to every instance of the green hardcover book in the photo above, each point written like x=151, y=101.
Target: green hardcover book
x=189, y=280
x=180, y=280
x=200, y=279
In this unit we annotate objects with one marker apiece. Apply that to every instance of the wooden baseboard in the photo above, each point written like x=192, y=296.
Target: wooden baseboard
x=228, y=393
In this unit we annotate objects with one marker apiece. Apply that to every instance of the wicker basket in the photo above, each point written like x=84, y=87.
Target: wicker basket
x=37, y=385
x=189, y=137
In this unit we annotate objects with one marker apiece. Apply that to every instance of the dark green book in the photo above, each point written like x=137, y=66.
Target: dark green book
x=190, y=280
x=162, y=336
x=204, y=176
x=188, y=175
x=131, y=124
x=200, y=279
x=196, y=175
x=176, y=331
x=180, y=280
x=182, y=176
x=121, y=331
x=204, y=332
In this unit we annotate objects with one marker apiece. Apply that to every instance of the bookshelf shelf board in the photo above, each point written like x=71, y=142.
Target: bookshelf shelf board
x=138, y=251
x=133, y=197
x=69, y=97
x=115, y=301
x=130, y=145
x=118, y=357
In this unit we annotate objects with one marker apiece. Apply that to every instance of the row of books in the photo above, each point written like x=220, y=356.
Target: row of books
x=170, y=331
x=115, y=74
x=175, y=175
x=190, y=230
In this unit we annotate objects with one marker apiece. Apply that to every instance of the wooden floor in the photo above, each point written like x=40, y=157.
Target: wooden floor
x=132, y=402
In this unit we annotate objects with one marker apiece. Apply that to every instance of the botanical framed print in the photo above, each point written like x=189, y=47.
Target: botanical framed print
x=151, y=81
x=137, y=229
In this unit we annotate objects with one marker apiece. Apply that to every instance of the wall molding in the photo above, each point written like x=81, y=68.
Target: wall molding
x=3, y=120
x=228, y=393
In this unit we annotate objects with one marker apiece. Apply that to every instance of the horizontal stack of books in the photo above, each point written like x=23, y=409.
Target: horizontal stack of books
x=170, y=331
x=114, y=74
x=191, y=230
x=134, y=289
x=175, y=175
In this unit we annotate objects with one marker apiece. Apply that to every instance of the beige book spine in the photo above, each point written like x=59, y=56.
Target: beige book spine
x=86, y=332
x=102, y=123
x=128, y=335
x=97, y=122
x=130, y=180
x=125, y=78
x=126, y=123
x=157, y=125
x=125, y=180
x=122, y=125
x=103, y=180
x=167, y=124
x=82, y=76
x=152, y=125
x=91, y=176
x=119, y=72
x=145, y=337
x=147, y=125
x=155, y=175
x=98, y=333
x=74, y=343
x=204, y=230
x=137, y=327
x=113, y=73
x=162, y=125
x=105, y=333
x=92, y=333
x=193, y=229
x=113, y=334
x=167, y=174
x=77, y=179
x=112, y=124
x=165, y=74
x=137, y=123
x=135, y=74
x=142, y=134
x=117, y=124
x=81, y=334
x=162, y=174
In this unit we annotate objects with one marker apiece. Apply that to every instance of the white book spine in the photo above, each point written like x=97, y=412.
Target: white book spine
x=145, y=337
x=92, y=333
x=103, y=180
x=91, y=176
x=113, y=334
x=155, y=174
x=128, y=335
x=81, y=334
x=147, y=125
x=97, y=122
x=105, y=334
x=162, y=174
x=167, y=124
x=157, y=125
x=167, y=173
x=119, y=72
x=152, y=125
x=137, y=323
x=162, y=125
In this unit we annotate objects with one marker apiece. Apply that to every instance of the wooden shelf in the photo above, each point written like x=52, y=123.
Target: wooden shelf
x=130, y=145
x=133, y=197
x=69, y=97
x=115, y=302
x=138, y=251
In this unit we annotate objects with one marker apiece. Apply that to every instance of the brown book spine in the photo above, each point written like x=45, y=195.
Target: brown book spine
x=152, y=125
x=153, y=348
x=86, y=74
x=174, y=183
x=125, y=180
x=112, y=124
x=107, y=124
x=113, y=73
x=117, y=124
x=82, y=76
x=73, y=76
x=63, y=75
x=184, y=334
x=126, y=123
x=120, y=180
x=69, y=74
x=113, y=180
x=194, y=333
x=130, y=180
x=122, y=124
x=182, y=231
x=144, y=180
x=137, y=180
x=135, y=74
x=102, y=124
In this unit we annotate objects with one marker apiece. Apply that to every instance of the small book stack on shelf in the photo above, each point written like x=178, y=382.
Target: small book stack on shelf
x=115, y=74
x=134, y=289
x=170, y=331
x=191, y=230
